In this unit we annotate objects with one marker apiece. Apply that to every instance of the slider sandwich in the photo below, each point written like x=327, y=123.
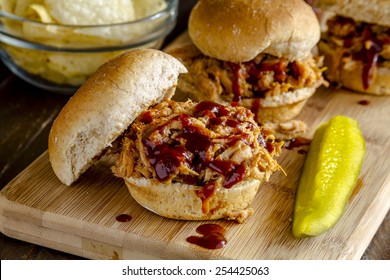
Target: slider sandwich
x=254, y=53
x=356, y=44
x=181, y=160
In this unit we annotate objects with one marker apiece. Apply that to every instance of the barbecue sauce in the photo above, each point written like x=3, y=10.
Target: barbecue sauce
x=371, y=50
x=213, y=236
x=252, y=72
x=123, y=218
x=166, y=158
x=372, y=43
x=256, y=105
x=364, y=102
x=236, y=68
x=297, y=143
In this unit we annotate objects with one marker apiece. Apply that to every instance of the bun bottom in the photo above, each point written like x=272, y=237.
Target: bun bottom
x=287, y=106
x=280, y=114
x=349, y=75
x=180, y=201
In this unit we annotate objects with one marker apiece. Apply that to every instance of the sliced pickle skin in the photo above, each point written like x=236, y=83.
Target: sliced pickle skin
x=329, y=174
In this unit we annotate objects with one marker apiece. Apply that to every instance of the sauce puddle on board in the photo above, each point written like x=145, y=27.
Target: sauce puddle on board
x=364, y=102
x=123, y=218
x=213, y=236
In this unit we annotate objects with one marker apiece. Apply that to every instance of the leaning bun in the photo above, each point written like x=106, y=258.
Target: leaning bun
x=350, y=74
x=242, y=29
x=180, y=201
x=105, y=105
x=375, y=11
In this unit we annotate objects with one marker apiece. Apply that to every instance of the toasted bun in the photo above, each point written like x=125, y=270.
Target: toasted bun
x=179, y=201
x=105, y=105
x=374, y=11
x=278, y=108
x=238, y=30
x=350, y=75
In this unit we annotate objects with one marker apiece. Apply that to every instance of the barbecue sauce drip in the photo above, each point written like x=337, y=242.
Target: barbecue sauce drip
x=236, y=68
x=364, y=102
x=371, y=50
x=123, y=218
x=213, y=236
x=372, y=43
x=252, y=71
x=256, y=105
x=166, y=158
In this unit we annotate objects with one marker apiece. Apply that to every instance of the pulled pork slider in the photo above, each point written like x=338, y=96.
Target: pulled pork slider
x=356, y=44
x=181, y=160
x=255, y=53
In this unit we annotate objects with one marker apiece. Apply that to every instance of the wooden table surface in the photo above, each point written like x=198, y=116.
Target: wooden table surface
x=26, y=115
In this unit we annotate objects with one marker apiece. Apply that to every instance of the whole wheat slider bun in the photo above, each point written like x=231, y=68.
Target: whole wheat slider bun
x=373, y=11
x=242, y=29
x=105, y=105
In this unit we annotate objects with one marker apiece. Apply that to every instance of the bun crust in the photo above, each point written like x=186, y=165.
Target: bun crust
x=374, y=11
x=242, y=29
x=180, y=201
x=350, y=75
x=105, y=105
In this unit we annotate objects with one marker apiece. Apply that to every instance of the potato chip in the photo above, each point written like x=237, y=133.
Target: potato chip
x=61, y=68
x=118, y=34
x=22, y=7
x=124, y=33
x=84, y=12
x=59, y=36
x=7, y=5
x=41, y=13
x=144, y=8
x=74, y=68
x=30, y=60
x=58, y=67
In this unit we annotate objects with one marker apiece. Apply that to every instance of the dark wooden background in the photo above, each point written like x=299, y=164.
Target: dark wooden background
x=26, y=115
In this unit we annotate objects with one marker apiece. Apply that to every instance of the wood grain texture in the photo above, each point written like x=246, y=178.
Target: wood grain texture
x=80, y=219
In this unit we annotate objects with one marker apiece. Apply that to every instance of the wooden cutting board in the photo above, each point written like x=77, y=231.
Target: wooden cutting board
x=81, y=219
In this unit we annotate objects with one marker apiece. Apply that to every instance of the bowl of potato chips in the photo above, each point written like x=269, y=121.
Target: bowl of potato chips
x=58, y=44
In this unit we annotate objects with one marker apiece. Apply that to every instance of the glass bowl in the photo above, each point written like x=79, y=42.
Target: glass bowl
x=60, y=58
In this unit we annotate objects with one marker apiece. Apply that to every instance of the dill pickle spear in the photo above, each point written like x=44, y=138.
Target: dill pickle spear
x=329, y=174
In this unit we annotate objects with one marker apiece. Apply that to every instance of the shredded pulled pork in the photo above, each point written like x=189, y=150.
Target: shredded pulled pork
x=264, y=76
x=204, y=144
x=359, y=41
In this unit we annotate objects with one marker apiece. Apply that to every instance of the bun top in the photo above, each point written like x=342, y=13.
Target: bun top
x=105, y=105
x=238, y=30
x=373, y=11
